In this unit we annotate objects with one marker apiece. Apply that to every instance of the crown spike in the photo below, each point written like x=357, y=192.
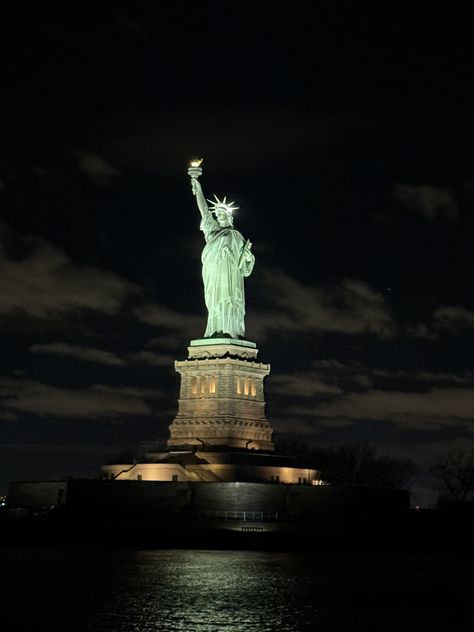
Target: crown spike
x=222, y=205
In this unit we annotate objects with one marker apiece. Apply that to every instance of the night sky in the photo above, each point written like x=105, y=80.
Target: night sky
x=346, y=138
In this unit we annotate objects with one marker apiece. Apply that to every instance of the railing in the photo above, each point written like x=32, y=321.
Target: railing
x=245, y=516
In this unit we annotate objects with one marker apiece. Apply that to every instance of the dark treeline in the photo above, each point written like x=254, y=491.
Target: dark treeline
x=455, y=471
x=355, y=464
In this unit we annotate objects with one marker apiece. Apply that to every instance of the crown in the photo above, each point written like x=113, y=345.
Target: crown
x=222, y=205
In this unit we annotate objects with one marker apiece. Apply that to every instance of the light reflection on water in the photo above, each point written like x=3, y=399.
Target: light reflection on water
x=238, y=591
x=209, y=591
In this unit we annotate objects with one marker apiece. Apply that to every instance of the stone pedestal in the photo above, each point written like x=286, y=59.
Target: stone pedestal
x=222, y=399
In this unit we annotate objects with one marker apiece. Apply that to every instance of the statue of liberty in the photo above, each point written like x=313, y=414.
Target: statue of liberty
x=226, y=260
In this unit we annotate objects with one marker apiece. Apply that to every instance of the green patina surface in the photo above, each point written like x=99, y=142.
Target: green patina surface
x=226, y=260
x=200, y=342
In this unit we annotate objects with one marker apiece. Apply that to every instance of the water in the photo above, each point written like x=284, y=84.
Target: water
x=234, y=591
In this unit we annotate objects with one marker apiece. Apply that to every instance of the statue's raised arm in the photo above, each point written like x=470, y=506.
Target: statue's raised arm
x=200, y=199
x=226, y=259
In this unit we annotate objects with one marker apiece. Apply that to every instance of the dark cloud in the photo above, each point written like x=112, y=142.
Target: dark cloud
x=364, y=375
x=428, y=201
x=152, y=358
x=422, y=331
x=129, y=27
x=333, y=396
x=46, y=282
x=302, y=384
x=350, y=307
x=100, y=356
x=177, y=321
x=8, y=415
x=427, y=376
x=98, y=170
x=86, y=354
x=168, y=341
x=343, y=374
x=95, y=402
x=129, y=391
x=438, y=408
x=452, y=319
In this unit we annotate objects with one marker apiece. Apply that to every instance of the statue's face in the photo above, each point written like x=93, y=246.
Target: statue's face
x=223, y=219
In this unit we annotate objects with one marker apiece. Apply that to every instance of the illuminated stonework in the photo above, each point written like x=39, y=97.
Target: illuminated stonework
x=222, y=399
x=211, y=469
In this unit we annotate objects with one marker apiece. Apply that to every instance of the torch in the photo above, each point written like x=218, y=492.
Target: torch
x=195, y=169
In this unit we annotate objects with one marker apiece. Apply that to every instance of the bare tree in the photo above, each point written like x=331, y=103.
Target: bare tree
x=360, y=464
x=352, y=464
x=456, y=471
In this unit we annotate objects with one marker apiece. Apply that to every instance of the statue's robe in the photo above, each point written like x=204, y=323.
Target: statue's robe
x=223, y=272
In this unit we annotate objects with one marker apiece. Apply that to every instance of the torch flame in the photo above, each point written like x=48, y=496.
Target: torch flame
x=195, y=163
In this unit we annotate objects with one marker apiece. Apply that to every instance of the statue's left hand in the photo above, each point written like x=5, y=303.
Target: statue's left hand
x=196, y=187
